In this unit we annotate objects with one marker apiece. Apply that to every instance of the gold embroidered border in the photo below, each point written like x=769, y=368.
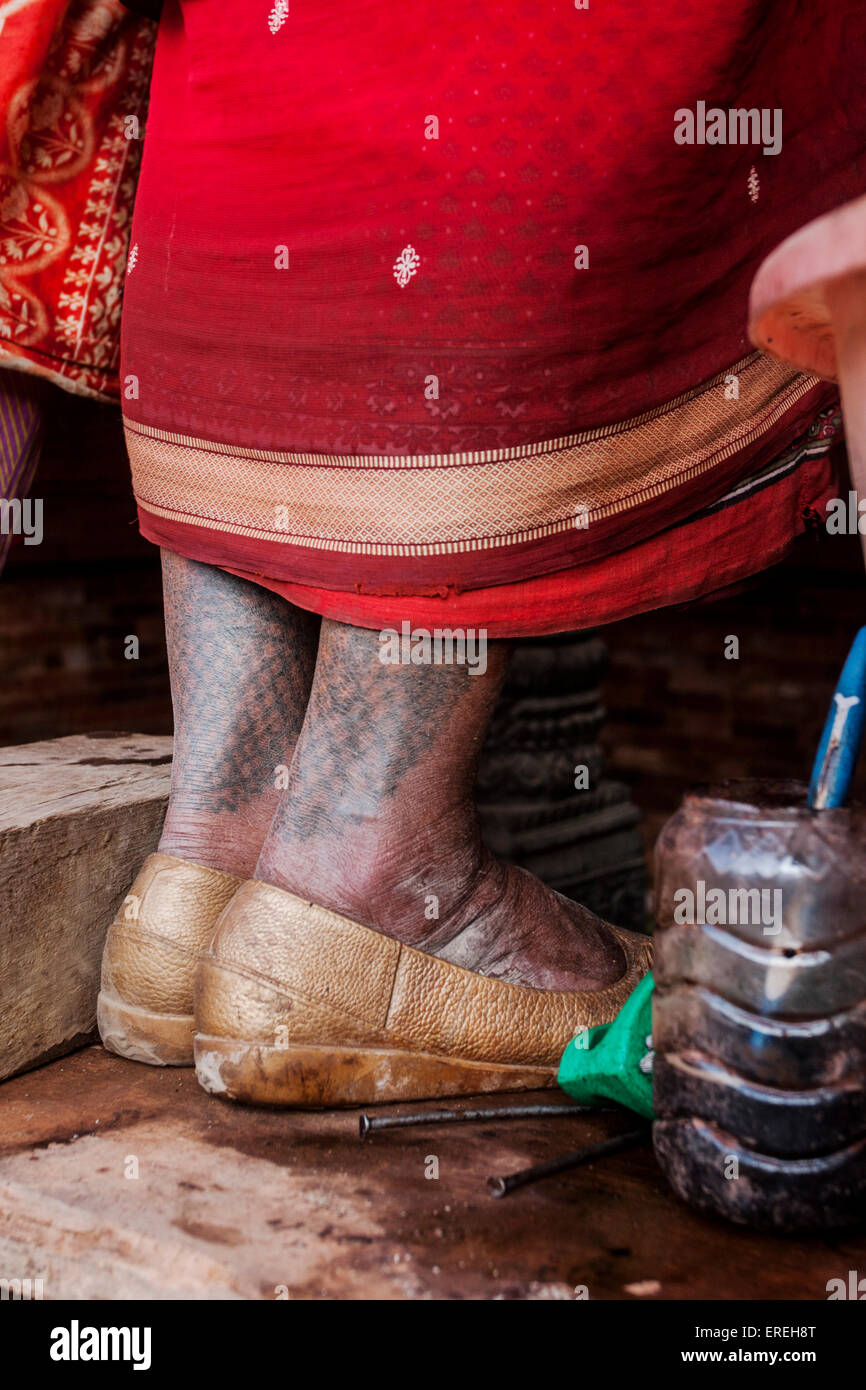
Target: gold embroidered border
x=449, y=503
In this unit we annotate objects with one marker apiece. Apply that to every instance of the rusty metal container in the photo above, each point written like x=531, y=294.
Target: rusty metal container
x=759, y=1015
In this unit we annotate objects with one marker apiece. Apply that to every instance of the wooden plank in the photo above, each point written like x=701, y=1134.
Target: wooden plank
x=77, y=817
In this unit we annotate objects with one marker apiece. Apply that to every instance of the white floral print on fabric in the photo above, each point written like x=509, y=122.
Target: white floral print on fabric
x=278, y=16
x=406, y=265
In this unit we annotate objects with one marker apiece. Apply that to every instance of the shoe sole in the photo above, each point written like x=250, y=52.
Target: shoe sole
x=160, y=1040
x=317, y=1078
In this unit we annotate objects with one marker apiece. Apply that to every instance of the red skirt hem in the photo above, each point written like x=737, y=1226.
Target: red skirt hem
x=747, y=531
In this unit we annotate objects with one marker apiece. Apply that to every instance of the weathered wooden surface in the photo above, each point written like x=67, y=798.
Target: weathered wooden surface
x=232, y=1202
x=77, y=817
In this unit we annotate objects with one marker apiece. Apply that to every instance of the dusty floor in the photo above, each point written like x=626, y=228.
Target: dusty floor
x=230, y=1202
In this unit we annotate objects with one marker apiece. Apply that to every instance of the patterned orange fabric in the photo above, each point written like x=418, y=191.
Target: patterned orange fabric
x=73, y=85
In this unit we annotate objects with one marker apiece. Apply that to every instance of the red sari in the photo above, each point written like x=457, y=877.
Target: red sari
x=442, y=316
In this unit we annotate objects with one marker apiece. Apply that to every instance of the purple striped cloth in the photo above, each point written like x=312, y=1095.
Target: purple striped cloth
x=21, y=426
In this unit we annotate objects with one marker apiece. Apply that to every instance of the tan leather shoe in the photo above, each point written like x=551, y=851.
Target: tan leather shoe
x=167, y=918
x=298, y=1006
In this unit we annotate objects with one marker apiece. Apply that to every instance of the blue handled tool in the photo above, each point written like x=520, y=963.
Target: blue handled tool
x=837, y=753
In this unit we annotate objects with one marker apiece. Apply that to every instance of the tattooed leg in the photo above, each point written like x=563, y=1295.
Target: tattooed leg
x=241, y=663
x=378, y=822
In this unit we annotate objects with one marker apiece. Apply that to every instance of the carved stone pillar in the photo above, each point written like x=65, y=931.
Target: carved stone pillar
x=586, y=842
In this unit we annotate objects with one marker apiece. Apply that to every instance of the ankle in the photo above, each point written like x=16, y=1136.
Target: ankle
x=419, y=887
x=223, y=841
